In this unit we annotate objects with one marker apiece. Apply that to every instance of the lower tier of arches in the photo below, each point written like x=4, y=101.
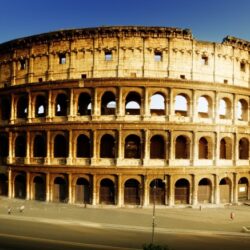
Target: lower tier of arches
x=122, y=189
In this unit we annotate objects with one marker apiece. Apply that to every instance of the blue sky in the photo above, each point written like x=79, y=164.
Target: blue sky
x=208, y=19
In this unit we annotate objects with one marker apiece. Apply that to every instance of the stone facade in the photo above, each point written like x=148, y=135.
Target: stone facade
x=125, y=116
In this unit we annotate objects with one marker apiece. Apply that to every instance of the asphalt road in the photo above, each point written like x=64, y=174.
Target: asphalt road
x=23, y=234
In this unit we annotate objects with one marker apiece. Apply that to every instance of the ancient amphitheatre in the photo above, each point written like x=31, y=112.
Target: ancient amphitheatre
x=122, y=116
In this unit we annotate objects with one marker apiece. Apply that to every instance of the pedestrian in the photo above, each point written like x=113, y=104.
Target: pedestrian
x=232, y=215
x=21, y=209
x=9, y=210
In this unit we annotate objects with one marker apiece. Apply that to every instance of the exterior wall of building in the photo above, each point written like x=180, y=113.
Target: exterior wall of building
x=200, y=156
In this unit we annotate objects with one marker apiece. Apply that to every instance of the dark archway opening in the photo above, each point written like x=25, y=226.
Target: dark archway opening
x=20, y=186
x=84, y=104
x=82, y=192
x=132, y=192
x=40, y=147
x=60, y=146
x=107, y=192
x=182, y=191
x=157, y=192
x=83, y=147
x=20, y=146
x=132, y=147
x=60, y=193
x=107, y=147
x=39, y=188
x=41, y=106
x=204, y=191
x=157, y=147
x=61, y=105
x=3, y=185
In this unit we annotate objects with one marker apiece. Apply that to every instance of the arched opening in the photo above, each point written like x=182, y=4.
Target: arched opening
x=83, y=147
x=82, y=192
x=157, y=147
x=182, y=150
x=40, y=147
x=60, y=146
x=41, y=106
x=243, y=189
x=225, y=108
x=182, y=192
x=60, y=190
x=243, y=149
x=84, y=104
x=3, y=185
x=20, y=186
x=203, y=107
x=157, y=192
x=107, y=146
x=132, y=147
x=108, y=103
x=181, y=105
x=133, y=104
x=132, y=192
x=39, y=188
x=204, y=150
x=204, y=191
x=107, y=192
x=157, y=104
x=5, y=108
x=4, y=145
x=242, y=110
x=20, y=146
x=22, y=107
x=226, y=148
x=61, y=105
x=225, y=191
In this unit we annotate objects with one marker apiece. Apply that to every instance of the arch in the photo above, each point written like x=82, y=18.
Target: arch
x=83, y=148
x=22, y=107
x=205, y=191
x=84, y=104
x=133, y=104
x=157, y=147
x=204, y=106
x=225, y=190
x=60, y=190
x=60, y=146
x=3, y=185
x=132, y=192
x=107, y=192
x=40, y=147
x=41, y=106
x=132, y=147
x=107, y=146
x=225, y=108
x=205, y=150
x=108, y=103
x=4, y=145
x=82, y=191
x=5, y=108
x=39, y=188
x=182, y=191
x=226, y=148
x=243, y=149
x=157, y=192
x=20, y=186
x=243, y=189
x=242, y=110
x=181, y=105
x=182, y=147
x=157, y=104
x=20, y=146
x=61, y=108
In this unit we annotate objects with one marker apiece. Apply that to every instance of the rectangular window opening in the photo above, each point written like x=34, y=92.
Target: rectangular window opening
x=84, y=76
x=225, y=81
x=182, y=76
x=62, y=58
x=158, y=56
x=40, y=79
x=204, y=60
x=242, y=67
x=108, y=55
x=22, y=64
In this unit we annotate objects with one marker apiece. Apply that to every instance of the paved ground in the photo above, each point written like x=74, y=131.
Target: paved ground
x=209, y=222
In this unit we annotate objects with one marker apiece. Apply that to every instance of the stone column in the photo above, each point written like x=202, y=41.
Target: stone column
x=171, y=192
x=120, y=199
x=11, y=148
x=234, y=115
x=70, y=187
x=28, y=149
x=95, y=108
x=50, y=63
x=120, y=111
x=48, y=188
x=194, y=107
x=216, y=189
x=195, y=191
x=27, y=185
x=235, y=188
x=48, y=147
x=195, y=148
x=13, y=109
x=10, y=184
x=13, y=69
x=171, y=103
x=94, y=194
x=146, y=147
x=145, y=191
x=31, y=66
x=171, y=147
x=216, y=107
x=69, y=159
x=94, y=148
x=146, y=110
x=50, y=106
x=71, y=60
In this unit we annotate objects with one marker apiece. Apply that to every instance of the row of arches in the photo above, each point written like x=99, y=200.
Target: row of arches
x=133, y=190
x=133, y=105
x=133, y=146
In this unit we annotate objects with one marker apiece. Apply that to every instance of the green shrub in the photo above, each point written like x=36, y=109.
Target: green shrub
x=154, y=247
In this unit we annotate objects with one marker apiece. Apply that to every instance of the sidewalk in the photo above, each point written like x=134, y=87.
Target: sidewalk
x=169, y=220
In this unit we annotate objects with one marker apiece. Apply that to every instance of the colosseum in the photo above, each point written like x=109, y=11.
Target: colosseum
x=125, y=116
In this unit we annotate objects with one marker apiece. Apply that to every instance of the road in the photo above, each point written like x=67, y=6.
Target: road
x=28, y=234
